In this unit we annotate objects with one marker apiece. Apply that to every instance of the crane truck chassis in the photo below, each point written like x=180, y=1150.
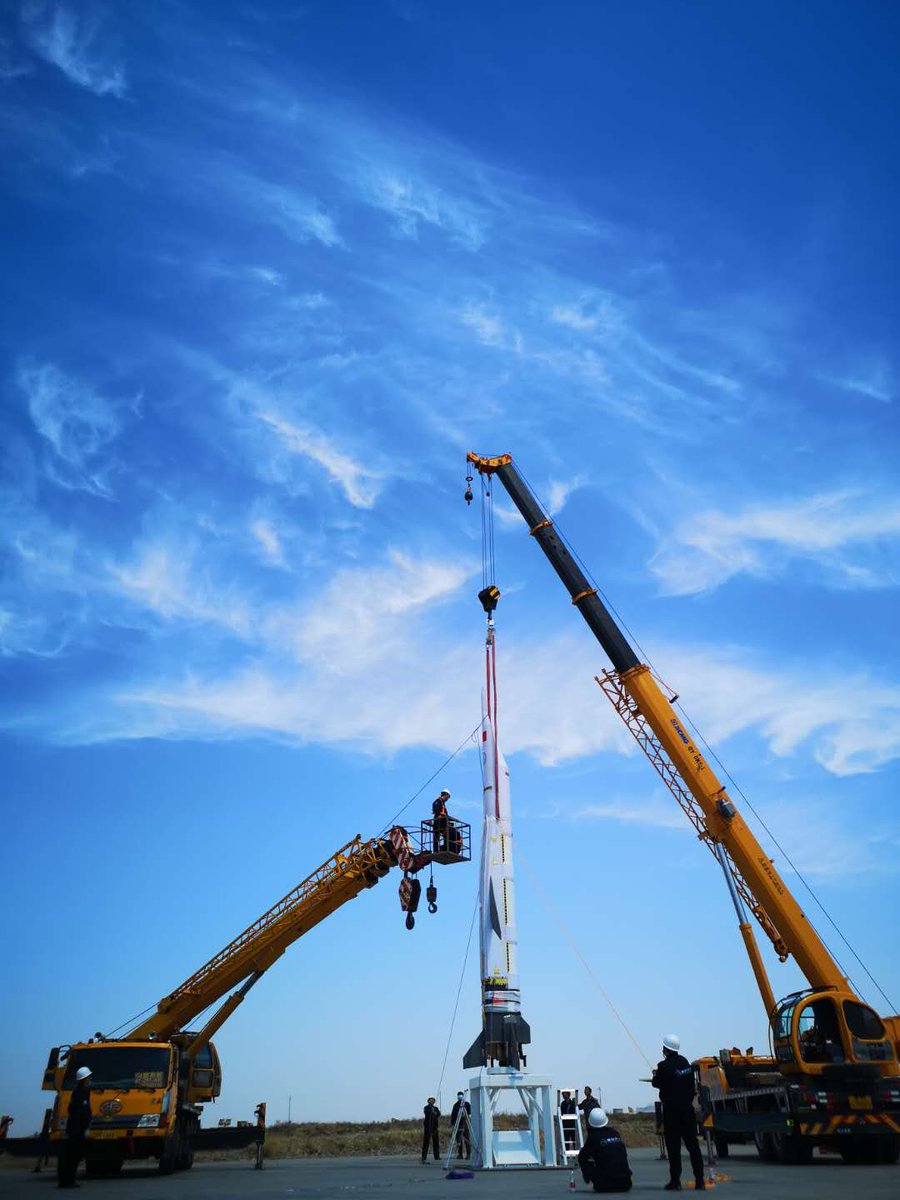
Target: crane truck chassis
x=833, y=1077
x=149, y=1086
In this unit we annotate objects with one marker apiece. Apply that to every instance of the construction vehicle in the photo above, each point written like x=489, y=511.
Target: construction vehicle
x=832, y=1078
x=148, y=1086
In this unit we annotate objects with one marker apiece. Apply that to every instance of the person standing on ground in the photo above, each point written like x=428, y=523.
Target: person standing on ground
x=463, y=1139
x=431, y=1130
x=589, y=1103
x=674, y=1079
x=603, y=1158
x=71, y=1152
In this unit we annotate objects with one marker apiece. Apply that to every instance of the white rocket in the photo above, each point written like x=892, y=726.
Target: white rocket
x=504, y=1030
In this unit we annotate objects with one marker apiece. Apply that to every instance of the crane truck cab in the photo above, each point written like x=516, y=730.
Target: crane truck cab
x=831, y=1033
x=143, y=1096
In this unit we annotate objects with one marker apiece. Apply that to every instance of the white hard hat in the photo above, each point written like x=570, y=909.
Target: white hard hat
x=82, y=1073
x=445, y=794
x=672, y=1041
x=597, y=1118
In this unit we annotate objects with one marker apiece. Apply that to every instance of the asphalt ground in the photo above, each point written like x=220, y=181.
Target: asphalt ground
x=394, y=1178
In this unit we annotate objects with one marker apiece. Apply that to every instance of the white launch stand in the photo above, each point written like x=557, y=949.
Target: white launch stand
x=513, y=1147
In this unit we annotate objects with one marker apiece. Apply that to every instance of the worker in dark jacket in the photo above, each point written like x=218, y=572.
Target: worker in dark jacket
x=78, y=1118
x=431, y=1130
x=440, y=822
x=463, y=1136
x=674, y=1079
x=589, y=1103
x=603, y=1158
x=567, y=1105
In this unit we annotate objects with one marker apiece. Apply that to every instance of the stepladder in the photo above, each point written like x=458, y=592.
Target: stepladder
x=462, y=1142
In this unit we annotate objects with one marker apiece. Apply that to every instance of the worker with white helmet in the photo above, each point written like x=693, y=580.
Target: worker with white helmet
x=78, y=1118
x=603, y=1158
x=674, y=1078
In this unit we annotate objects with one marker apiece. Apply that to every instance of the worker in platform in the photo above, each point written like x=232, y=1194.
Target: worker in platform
x=589, y=1103
x=567, y=1105
x=440, y=821
x=462, y=1112
x=603, y=1158
x=78, y=1118
x=431, y=1130
x=674, y=1079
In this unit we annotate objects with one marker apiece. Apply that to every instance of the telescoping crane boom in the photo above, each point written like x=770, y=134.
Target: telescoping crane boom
x=149, y=1084
x=835, y=1054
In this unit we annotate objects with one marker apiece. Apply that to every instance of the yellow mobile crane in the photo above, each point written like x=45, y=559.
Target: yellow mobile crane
x=148, y=1085
x=833, y=1077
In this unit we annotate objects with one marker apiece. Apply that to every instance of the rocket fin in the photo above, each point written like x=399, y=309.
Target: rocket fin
x=474, y=1056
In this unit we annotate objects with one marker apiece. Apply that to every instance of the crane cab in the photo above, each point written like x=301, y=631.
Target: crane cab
x=831, y=1033
x=199, y=1072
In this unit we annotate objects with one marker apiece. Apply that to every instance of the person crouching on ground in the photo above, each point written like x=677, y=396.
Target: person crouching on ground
x=603, y=1158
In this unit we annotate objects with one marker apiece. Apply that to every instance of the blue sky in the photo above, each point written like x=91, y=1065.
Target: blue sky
x=270, y=269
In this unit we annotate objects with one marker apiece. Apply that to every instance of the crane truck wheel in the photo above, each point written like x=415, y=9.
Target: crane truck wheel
x=792, y=1149
x=765, y=1147
x=186, y=1158
x=168, y=1160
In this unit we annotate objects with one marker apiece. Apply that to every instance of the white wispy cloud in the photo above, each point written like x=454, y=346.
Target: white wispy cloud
x=814, y=839
x=72, y=41
x=269, y=541
x=163, y=578
x=299, y=216
x=491, y=329
x=359, y=483
x=76, y=423
x=874, y=382
x=414, y=202
x=574, y=318
x=833, y=530
x=655, y=814
x=554, y=496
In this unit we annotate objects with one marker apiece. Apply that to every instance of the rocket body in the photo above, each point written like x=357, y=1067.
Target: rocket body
x=504, y=1030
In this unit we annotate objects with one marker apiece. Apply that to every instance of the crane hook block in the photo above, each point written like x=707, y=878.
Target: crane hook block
x=431, y=897
x=469, y=496
x=489, y=597
x=410, y=891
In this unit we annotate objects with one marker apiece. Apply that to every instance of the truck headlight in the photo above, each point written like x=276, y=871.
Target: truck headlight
x=150, y=1121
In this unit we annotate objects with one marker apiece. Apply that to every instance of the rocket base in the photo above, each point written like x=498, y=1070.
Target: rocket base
x=500, y=1042
x=491, y=1089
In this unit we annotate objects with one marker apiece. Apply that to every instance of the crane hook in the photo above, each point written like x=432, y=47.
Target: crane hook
x=431, y=897
x=469, y=497
x=410, y=920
